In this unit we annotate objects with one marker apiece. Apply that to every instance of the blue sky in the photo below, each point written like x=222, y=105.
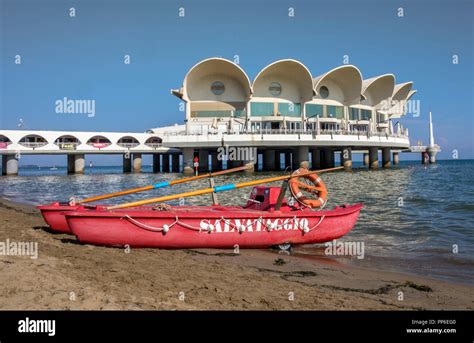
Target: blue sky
x=82, y=57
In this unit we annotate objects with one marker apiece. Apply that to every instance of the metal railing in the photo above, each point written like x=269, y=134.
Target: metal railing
x=312, y=132
x=33, y=145
x=128, y=145
x=154, y=145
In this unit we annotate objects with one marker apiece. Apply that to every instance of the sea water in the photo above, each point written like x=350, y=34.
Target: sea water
x=417, y=219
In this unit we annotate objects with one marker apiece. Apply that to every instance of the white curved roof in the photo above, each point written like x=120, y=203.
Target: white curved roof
x=349, y=80
x=378, y=88
x=214, y=65
x=411, y=93
x=401, y=91
x=289, y=69
x=401, y=94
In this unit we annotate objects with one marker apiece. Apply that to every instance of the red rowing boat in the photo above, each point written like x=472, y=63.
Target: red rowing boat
x=258, y=224
x=53, y=215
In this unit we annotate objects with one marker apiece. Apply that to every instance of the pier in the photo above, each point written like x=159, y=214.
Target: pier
x=75, y=145
x=428, y=152
x=174, y=150
x=285, y=115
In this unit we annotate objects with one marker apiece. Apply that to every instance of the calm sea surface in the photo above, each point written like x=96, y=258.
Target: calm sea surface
x=414, y=215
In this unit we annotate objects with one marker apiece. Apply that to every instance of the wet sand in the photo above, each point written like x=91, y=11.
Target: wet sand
x=68, y=275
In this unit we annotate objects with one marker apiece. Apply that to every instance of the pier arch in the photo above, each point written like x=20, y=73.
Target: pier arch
x=154, y=142
x=33, y=141
x=128, y=142
x=67, y=142
x=4, y=142
x=99, y=142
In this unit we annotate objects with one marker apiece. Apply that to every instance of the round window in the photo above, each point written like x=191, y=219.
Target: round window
x=324, y=92
x=217, y=88
x=275, y=89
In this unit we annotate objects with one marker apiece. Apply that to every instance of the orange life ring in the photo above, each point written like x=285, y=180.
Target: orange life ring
x=319, y=188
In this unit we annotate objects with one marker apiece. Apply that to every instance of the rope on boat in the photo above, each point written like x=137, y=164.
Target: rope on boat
x=316, y=226
x=194, y=228
x=163, y=229
x=240, y=228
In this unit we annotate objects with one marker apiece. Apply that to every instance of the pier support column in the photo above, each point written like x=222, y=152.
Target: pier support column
x=301, y=158
x=156, y=163
x=365, y=160
x=75, y=164
x=203, y=161
x=277, y=160
x=346, y=159
x=327, y=158
x=137, y=163
x=424, y=157
x=127, y=163
x=386, y=158
x=70, y=164
x=9, y=165
x=79, y=162
x=431, y=154
x=373, y=158
x=175, y=163
x=188, y=156
x=395, y=158
x=315, y=159
x=216, y=164
x=165, y=163
x=269, y=160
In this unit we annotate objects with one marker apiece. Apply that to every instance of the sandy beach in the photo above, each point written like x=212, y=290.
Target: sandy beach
x=71, y=276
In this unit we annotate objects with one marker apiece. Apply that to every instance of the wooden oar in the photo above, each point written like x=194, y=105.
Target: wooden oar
x=161, y=184
x=216, y=189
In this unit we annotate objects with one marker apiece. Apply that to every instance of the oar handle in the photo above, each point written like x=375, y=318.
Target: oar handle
x=217, y=189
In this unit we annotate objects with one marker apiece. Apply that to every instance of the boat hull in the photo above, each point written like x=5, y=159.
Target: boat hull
x=210, y=227
x=53, y=215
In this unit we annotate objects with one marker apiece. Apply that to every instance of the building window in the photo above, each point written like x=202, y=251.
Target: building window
x=365, y=114
x=335, y=112
x=354, y=114
x=380, y=117
x=323, y=92
x=275, y=89
x=313, y=110
x=289, y=109
x=261, y=109
x=217, y=88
